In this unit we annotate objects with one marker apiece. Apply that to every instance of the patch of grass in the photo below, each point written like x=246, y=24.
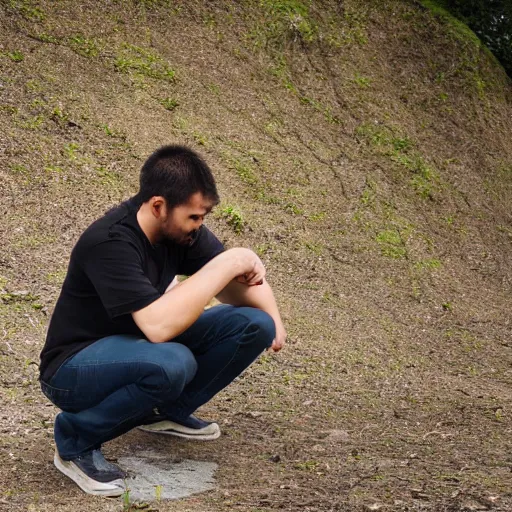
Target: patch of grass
x=85, y=47
x=292, y=208
x=143, y=62
x=282, y=22
x=362, y=81
x=71, y=149
x=53, y=168
x=309, y=465
x=326, y=111
x=28, y=9
x=16, y=56
x=200, y=138
x=169, y=103
x=280, y=70
x=47, y=38
x=245, y=172
x=56, y=277
x=262, y=249
x=430, y=264
x=108, y=177
x=369, y=193
x=391, y=244
x=315, y=248
x=11, y=298
x=425, y=178
x=348, y=29
x=458, y=28
x=214, y=88
x=20, y=169
x=317, y=217
x=33, y=123
x=233, y=218
x=59, y=114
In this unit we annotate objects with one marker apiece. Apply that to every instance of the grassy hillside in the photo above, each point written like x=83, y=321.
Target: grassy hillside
x=364, y=150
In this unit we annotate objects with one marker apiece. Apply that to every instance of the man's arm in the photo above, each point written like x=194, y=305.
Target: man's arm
x=182, y=305
x=239, y=293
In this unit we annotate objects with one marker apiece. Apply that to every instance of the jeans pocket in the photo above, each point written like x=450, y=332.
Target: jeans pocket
x=59, y=397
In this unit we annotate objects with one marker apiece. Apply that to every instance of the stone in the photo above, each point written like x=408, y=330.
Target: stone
x=156, y=477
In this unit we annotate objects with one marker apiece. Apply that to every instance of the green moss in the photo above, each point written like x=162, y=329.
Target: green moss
x=459, y=29
x=85, y=47
x=391, y=244
x=143, y=62
x=233, y=218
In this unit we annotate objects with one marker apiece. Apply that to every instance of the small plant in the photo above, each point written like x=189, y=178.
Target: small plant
x=58, y=114
x=84, y=47
x=233, y=218
x=428, y=264
x=169, y=103
x=362, y=81
x=315, y=248
x=391, y=244
x=126, y=500
x=316, y=217
x=108, y=130
x=16, y=56
x=28, y=11
x=200, y=139
x=47, y=38
x=158, y=492
x=107, y=177
x=262, y=249
x=71, y=149
x=309, y=465
x=245, y=173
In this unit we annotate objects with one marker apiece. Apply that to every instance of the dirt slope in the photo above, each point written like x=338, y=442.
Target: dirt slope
x=364, y=150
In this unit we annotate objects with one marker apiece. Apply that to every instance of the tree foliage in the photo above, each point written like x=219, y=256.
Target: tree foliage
x=491, y=20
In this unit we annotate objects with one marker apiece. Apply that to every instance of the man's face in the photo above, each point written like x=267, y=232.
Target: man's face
x=182, y=222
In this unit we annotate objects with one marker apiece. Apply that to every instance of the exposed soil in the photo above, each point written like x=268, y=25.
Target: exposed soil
x=368, y=151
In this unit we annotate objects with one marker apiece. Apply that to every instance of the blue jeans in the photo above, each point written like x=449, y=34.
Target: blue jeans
x=114, y=384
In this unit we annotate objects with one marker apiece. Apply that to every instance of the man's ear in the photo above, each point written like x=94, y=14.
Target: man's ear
x=158, y=206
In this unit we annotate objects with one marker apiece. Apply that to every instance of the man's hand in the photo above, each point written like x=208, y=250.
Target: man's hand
x=253, y=272
x=280, y=338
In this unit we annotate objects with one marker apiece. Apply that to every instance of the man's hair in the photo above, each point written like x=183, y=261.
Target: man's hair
x=176, y=173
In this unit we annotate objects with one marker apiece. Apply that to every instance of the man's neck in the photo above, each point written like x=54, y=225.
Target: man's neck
x=147, y=224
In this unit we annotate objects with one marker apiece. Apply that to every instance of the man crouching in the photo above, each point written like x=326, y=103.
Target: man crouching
x=127, y=349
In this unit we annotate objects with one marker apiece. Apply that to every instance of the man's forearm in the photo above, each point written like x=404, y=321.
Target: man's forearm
x=259, y=296
x=177, y=309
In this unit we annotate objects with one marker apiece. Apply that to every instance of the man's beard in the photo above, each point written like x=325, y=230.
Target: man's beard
x=187, y=241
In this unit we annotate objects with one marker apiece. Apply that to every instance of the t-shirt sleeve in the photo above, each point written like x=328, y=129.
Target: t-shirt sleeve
x=115, y=269
x=205, y=248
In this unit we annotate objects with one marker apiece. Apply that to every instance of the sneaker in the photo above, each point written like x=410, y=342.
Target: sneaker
x=190, y=428
x=93, y=474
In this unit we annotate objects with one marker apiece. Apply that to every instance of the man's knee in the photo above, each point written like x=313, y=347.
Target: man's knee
x=171, y=367
x=261, y=325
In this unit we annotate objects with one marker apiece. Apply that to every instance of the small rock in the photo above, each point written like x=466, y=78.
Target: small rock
x=374, y=506
x=307, y=402
x=275, y=458
x=254, y=414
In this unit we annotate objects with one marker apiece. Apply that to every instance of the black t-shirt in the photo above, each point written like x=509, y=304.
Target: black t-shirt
x=114, y=270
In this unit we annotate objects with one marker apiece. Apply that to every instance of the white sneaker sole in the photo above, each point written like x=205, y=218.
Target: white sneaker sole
x=87, y=484
x=209, y=433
